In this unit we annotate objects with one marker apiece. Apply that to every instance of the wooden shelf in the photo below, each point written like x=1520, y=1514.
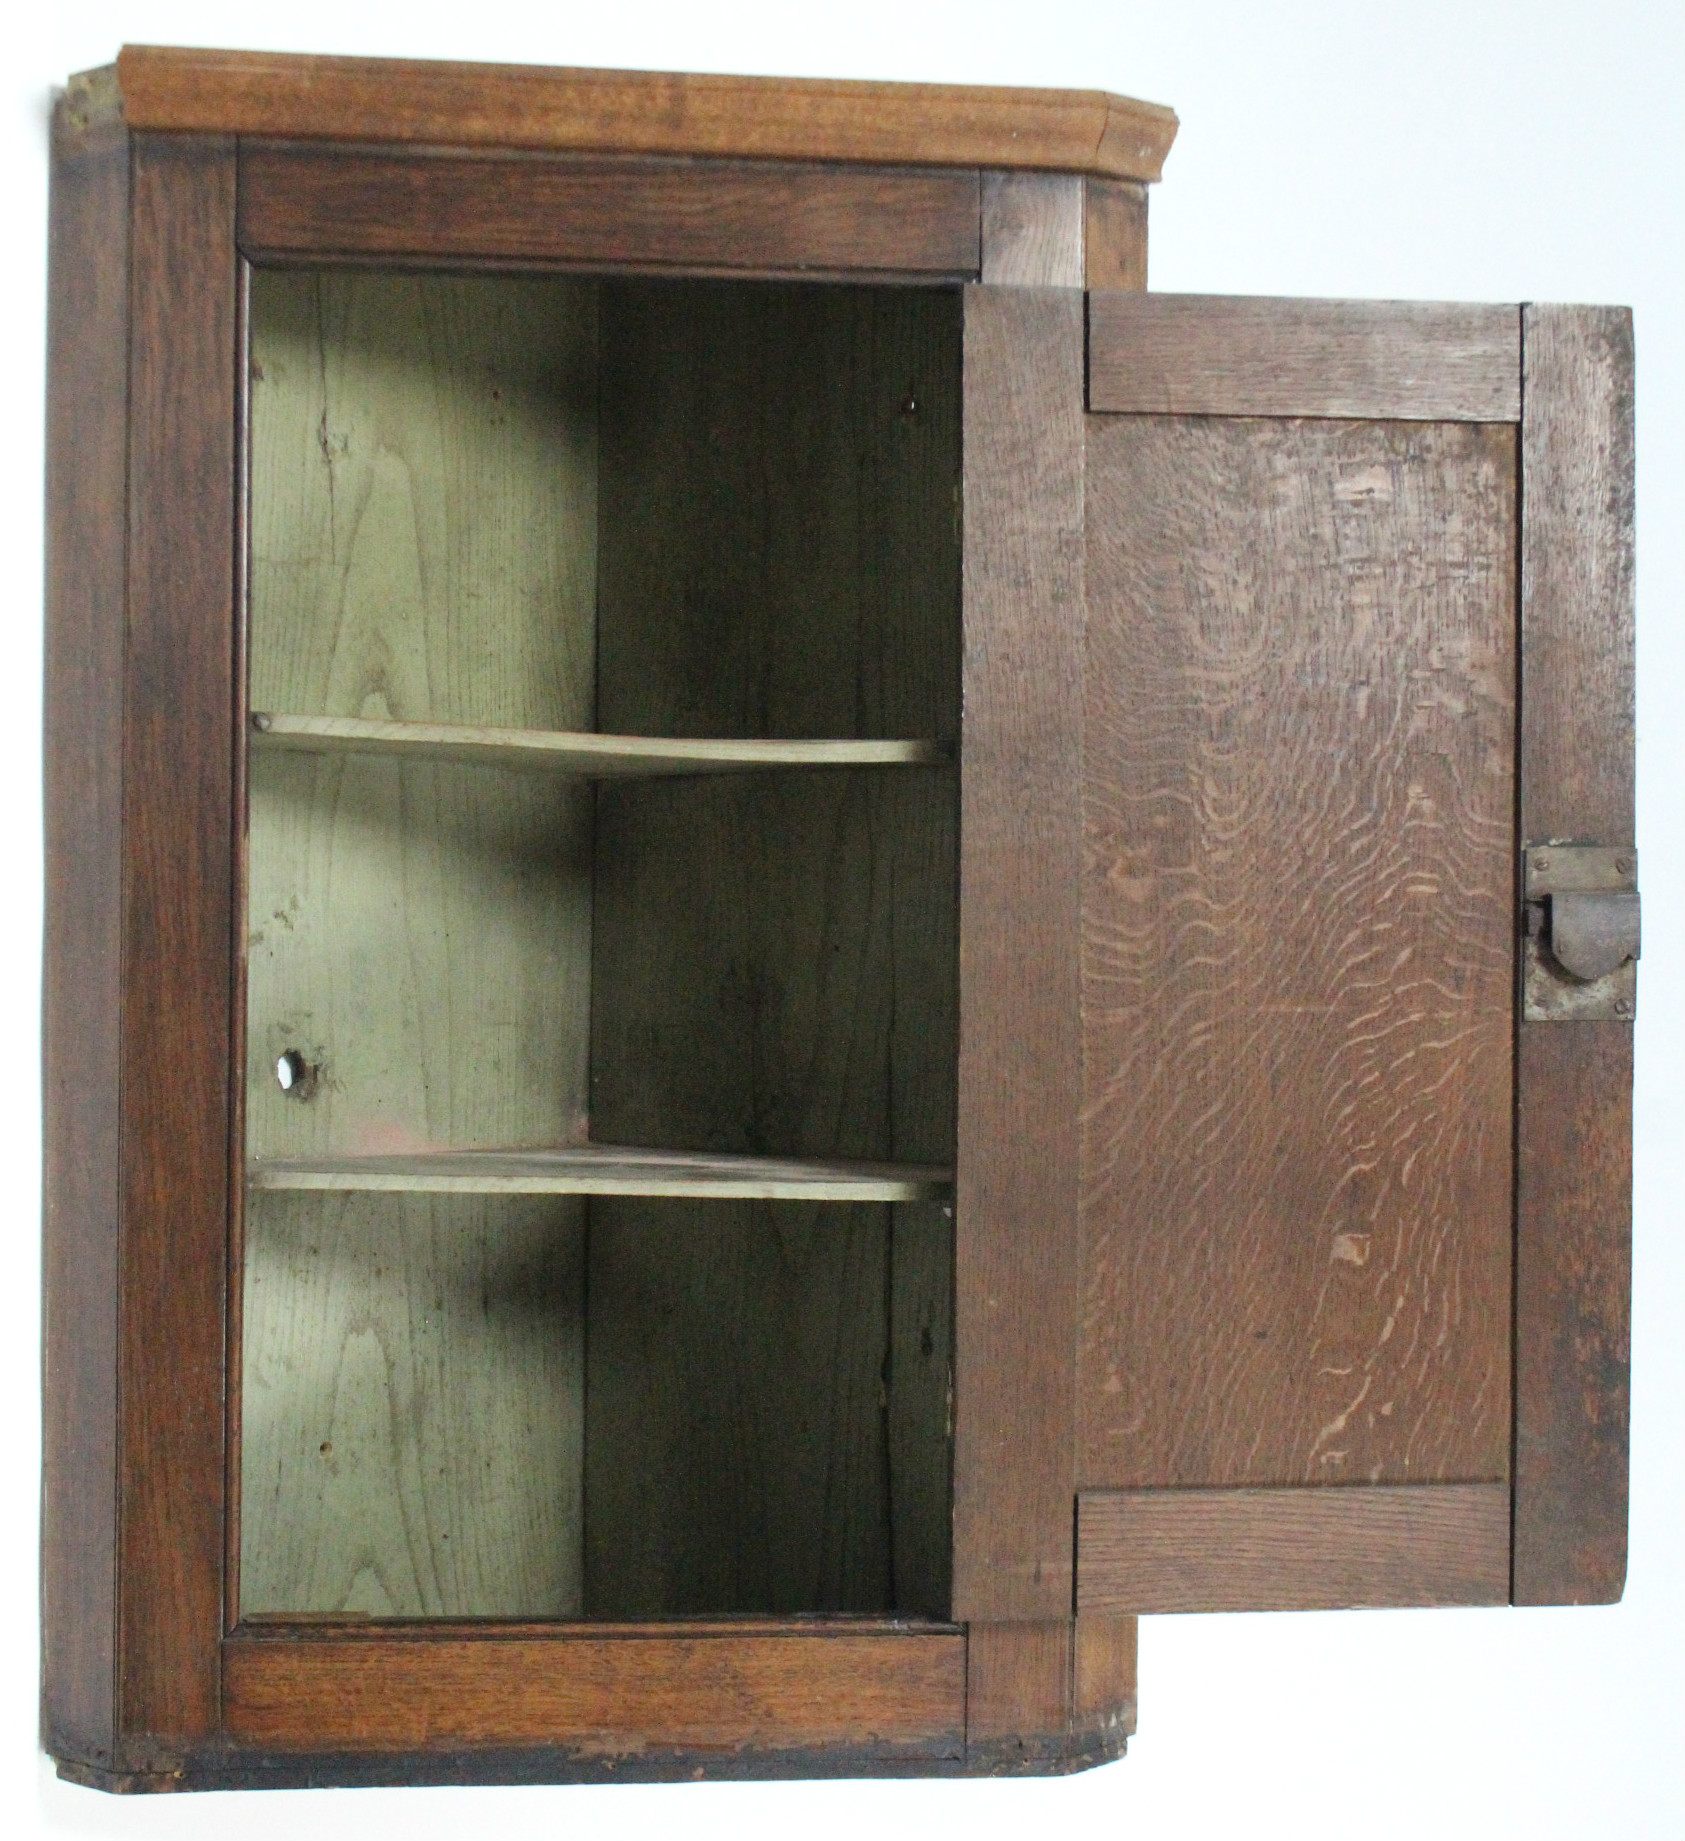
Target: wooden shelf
x=589, y=755
x=603, y=1169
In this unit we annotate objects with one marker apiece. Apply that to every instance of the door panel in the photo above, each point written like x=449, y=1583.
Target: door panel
x=1297, y=965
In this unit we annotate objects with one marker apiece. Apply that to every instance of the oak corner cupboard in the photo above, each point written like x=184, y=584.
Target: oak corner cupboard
x=794, y=951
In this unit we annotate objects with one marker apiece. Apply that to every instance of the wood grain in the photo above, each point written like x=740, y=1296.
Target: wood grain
x=1574, y=1081
x=413, y=1407
x=388, y=99
x=1298, y=953
x=610, y=1695
x=602, y=1169
x=1018, y=1682
x=1032, y=230
x=87, y=383
x=1292, y=1549
x=1020, y=873
x=919, y=1408
x=589, y=756
x=1114, y=237
x=780, y=219
x=422, y=447
x=424, y=511
x=1023, y=1683
x=775, y=972
x=736, y=1458
x=1103, y=1672
x=1190, y=354
x=178, y=935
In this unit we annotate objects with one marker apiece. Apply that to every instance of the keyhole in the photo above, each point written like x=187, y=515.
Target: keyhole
x=290, y=1070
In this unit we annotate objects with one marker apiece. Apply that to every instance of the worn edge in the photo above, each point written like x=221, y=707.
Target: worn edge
x=234, y=92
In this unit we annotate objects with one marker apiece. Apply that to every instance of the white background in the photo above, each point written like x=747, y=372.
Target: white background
x=1458, y=151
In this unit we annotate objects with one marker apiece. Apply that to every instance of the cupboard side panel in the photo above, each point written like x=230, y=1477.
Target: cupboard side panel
x=178, y=868
x=1019, y=1044
x=1298, y=953
x=1574, y=1098
x=87, y=471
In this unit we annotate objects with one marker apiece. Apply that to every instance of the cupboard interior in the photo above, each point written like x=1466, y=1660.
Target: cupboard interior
x=562, y=507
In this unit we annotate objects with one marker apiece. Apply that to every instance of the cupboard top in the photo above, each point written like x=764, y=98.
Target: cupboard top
x=614, y=111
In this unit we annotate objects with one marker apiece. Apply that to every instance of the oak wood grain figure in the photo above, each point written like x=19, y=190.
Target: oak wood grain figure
x=1020, y=1047
x=1298, y=953
x=617, y=111
x=586, y=755
x=1292, y=1549
x=1574, y=1081
x=300, y=202
x=1191, y=354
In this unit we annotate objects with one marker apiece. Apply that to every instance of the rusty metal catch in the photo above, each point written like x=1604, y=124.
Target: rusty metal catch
x=1582, y=936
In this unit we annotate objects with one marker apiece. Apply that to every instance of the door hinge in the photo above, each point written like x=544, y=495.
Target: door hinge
x=1579, y=958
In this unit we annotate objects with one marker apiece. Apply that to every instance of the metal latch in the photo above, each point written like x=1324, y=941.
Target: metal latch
x=1581, y=951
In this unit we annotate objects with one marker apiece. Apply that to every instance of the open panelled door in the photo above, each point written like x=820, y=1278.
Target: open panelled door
x=1298, y=927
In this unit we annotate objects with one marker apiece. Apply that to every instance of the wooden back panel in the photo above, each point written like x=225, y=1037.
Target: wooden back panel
x=774, y=969
x=424, y=499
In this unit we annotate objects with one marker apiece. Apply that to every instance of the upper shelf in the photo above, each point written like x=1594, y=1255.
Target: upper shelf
x=597, y=757
x=602, y=1169
x=630, y=112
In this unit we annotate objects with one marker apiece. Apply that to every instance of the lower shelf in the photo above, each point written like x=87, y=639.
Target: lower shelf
x=602, y=1169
